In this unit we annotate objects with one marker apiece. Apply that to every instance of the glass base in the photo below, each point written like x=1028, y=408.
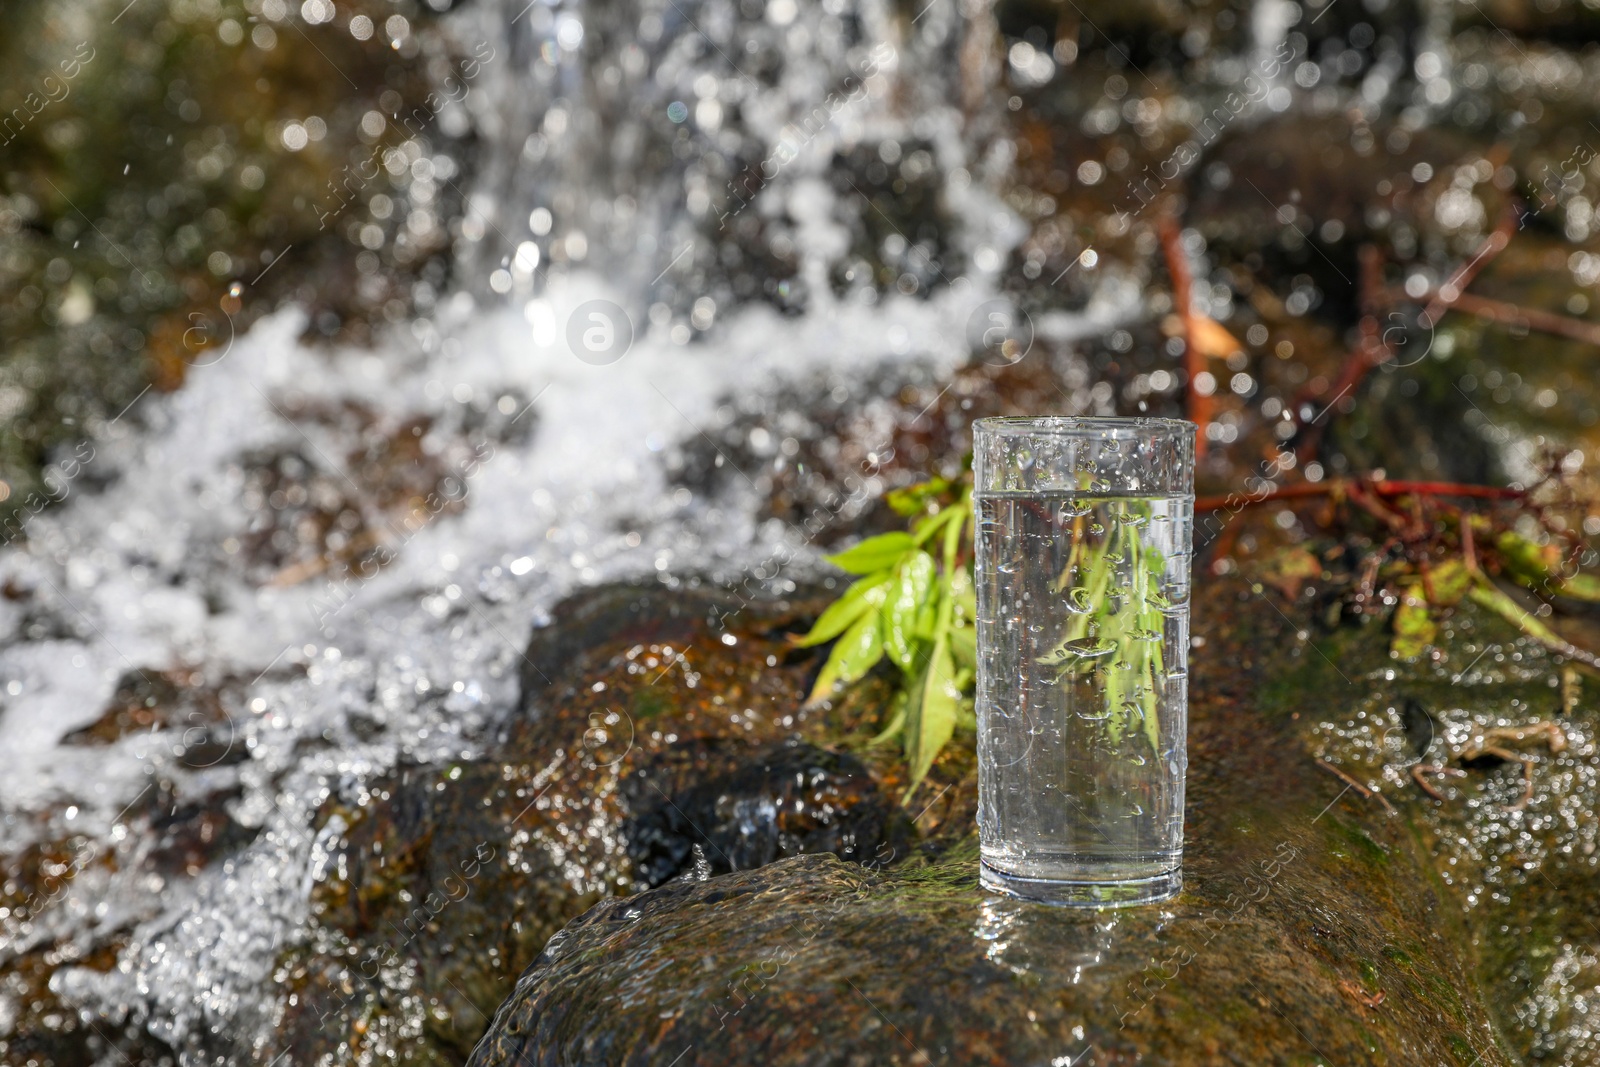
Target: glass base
x=1072, y=894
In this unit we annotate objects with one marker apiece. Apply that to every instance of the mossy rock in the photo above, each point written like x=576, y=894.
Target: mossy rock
x=1321, y=921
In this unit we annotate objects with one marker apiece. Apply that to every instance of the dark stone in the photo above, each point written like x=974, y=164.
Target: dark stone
x=794, y=799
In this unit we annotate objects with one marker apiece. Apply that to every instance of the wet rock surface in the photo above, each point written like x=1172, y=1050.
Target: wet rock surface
x=660, y=733
x=1324, y=919
x=791, y=800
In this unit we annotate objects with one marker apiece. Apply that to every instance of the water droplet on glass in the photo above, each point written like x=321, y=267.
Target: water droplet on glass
x=1096, y=529
x=1146, y=635
x=1072, y=509
x=1078, y=600
x=1090, y=647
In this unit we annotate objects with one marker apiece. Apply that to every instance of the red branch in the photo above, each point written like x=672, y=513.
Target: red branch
x=1194, y=360
x=1374, y=348
x=1342, y=487
x=1509, y=314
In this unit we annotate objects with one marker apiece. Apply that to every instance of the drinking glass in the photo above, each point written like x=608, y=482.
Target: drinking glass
x=1083, y=541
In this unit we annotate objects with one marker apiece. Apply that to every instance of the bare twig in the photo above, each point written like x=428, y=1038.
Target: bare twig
x=1420, y=770
x=1353, y=784
x=1194, y=360
x=1509, y=314
x=1450, y=292
x=1340, y=487
x=1374, y=348
x=1554, y=737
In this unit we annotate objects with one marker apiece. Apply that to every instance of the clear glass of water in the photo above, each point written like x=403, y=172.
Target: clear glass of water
x=1083, y=543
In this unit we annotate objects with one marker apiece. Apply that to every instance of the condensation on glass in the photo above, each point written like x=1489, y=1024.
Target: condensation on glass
x=1083, y=545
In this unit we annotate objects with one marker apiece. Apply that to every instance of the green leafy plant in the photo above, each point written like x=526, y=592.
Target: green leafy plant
x=913, y=604
x=1430, y=546
x=1115, y=629
x=1443, y=585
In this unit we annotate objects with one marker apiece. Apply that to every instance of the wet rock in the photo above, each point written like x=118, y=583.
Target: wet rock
x=824, y=450
x=654, y=723
x=151, y=701
x=39, y=1028
x=811, y=961
x=188, y=835
x=1315, y=925
x=791, y=800
x=308, y=518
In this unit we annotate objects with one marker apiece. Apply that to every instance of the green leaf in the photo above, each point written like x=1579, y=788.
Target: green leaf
x=1486, y=594
x=1094, y=603
x=964, y=645
x=914, y=499
x=966, y=596
x=908, y=593
x=1414, y=628
x=1116, y=721
x=897, y=721
x=928, y=614
x=1152, y=725
x=866, y=595
x=1450, y=581
x=874, y=554
x=855, y=654
x=922, y=531
x=1532, y=564
x=935, y=719
x=1580, y=587
x=1539, y=567
x=959, y=514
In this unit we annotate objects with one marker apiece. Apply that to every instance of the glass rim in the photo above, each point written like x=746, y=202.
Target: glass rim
x=1067, y=425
